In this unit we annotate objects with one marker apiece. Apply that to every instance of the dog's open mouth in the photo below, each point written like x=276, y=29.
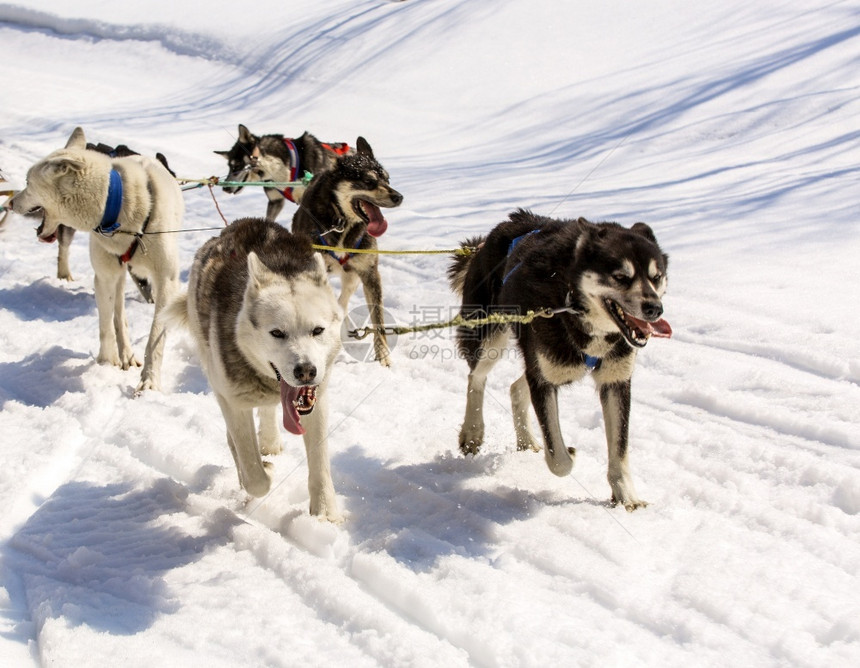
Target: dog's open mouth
x=636, y=331
x=46, y=238
x=240, y=176
x=372, y=215
x=296, y=402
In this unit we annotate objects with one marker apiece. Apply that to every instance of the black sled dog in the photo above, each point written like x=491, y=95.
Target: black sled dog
x=340, y=209
x=279, y=159
x=607, y=281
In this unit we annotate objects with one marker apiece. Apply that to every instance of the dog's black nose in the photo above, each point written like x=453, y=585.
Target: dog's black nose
x=305, y=373
x=652, y=310
x=396, y=197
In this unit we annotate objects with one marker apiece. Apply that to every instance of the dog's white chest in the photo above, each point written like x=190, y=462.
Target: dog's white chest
x=560, y=374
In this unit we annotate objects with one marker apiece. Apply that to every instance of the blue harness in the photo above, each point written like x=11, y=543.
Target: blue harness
x=513, y=245
x=341, y=260
x=110, y=220
x=109, y=223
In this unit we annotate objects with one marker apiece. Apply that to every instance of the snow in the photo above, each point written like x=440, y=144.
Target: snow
x=729, y=127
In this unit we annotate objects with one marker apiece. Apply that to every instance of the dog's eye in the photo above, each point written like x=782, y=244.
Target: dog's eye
x=318, y=330
x=656, y=278
x=278, y=333
x=624, y=279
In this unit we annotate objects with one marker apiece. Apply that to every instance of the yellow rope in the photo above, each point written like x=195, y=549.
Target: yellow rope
x=460, y=321
x=463, y=250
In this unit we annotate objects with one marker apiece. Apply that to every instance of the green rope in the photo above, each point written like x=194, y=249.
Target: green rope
x=190, y=184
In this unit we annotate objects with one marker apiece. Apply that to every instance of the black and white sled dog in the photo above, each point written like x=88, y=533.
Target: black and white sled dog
x=281, y=160
x=341, y=209
x=607, y=281
x=126, y=204
x=267, y=328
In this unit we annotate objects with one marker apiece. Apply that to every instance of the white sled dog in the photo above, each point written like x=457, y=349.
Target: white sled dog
x=267, y=328
x=126, y=204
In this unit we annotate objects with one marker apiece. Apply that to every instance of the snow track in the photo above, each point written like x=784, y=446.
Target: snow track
x=124, y=538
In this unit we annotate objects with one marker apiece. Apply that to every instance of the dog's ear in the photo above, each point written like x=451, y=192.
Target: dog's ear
x=320, y=271
x=77, y=139
x=583, y=245
x=245, y=135
x=361, y=146
x=645, y=231
x=258, y=273
x=63, y=165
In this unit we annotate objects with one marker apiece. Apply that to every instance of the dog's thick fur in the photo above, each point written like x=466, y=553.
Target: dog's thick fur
x=267, y=158
x=70, y=187
x=267, y=328
x=611, y=281
x=340, y=208
x=65, y=234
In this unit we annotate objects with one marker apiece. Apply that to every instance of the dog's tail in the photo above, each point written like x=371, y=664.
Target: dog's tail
x=175, y=312
x=460, y=264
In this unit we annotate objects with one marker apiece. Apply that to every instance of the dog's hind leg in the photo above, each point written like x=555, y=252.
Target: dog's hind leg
x=349, y=281
x=615, y=400
x=242, y=439
x=64, y=241
x=520, y=404
x=323, y=502
x=268, y=435
x=544, y=396
x=150, y=375
x=481, y=362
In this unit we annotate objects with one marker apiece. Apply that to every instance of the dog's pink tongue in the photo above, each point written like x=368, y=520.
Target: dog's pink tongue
x=661, y=329
x=377, y=224
x=289, y=395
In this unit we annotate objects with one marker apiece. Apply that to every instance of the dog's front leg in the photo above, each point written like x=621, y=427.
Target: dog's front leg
x=544, y=395
x=372, y=284
x=274, y=207
x=242, y=439
x=323, y=502
x=349, y=281
x=109, y=281
x=64, y=241
x=615, y=400
x=268, y=435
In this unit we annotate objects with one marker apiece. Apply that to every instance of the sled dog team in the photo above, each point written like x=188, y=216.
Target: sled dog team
x=266, y=322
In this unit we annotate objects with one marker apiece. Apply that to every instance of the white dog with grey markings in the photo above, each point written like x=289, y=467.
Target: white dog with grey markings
x=267, y=328
x=127, y=205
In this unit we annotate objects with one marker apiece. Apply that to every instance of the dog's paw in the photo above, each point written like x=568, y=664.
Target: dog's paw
x=324, y=508
x=630, y=505
x=108, y=358
x=383, y=357
x=527, y=443
x=271, y=447
x=130, y=361
x=261, y=484
x=560, y=462
x=145, y=386
x=471, y=438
